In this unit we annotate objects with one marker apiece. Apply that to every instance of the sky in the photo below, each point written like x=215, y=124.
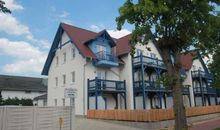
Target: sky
x=26, y=34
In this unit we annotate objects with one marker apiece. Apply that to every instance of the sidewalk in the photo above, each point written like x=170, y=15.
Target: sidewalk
x=206, y=125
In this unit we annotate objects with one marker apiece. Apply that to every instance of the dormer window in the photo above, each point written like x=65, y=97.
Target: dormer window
x=100, y=48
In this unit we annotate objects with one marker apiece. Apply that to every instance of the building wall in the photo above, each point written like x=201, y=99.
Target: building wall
x=71, y=65
x=146, y=51
x=19, y=94
x=126, y=74
x=40, y=102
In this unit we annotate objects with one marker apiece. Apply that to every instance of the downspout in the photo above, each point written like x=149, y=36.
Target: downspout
x=84, y=88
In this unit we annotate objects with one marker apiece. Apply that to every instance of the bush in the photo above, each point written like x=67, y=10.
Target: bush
x=16, y=101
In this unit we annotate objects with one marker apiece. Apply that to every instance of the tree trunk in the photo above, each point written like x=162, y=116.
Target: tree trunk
x=173, y=71
x=178, y=107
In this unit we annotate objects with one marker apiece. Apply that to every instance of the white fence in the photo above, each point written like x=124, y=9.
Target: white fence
x=36, y=118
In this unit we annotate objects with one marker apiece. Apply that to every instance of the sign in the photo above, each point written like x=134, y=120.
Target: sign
x=70, y=93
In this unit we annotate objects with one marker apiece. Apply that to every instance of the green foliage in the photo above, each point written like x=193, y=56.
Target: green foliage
x=214, y=67
x=16, y=101
x=178, y=25
x=3, y=8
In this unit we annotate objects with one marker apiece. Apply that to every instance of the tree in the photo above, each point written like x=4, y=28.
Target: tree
x=177, y=26
x=3, y=8
x=214, y=67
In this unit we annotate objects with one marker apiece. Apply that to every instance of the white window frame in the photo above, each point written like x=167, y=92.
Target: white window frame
x=101, y=48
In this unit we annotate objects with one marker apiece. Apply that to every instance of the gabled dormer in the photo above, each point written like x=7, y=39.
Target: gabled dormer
x=103, y=46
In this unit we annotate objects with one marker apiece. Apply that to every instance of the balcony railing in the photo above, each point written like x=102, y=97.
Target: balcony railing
x=149, y=86
x=106, y=85
x=103, y=55
x=153, y=62
x=154, y=87
x=202, y=74
x=204, y=90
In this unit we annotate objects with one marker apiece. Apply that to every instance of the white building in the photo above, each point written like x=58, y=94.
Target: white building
x=40, y=100
x=22, y=87
x=105, y=76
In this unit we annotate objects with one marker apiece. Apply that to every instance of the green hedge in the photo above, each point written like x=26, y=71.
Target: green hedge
x=16, y=101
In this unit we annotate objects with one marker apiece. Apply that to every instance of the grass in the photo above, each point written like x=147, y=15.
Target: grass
x=217, y=129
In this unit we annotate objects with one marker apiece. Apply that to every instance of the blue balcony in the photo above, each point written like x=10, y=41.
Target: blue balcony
x=102, y=85
x=106, y=59
x=202, y=74
x=204, y=90
x=148, y=61
x=150, y=86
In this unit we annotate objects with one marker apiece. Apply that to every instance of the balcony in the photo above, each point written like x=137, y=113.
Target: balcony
x=205, y=90
x=202, y=74
x=106, y=85
x=106, y=59
x=148, y=61
x=150, y=86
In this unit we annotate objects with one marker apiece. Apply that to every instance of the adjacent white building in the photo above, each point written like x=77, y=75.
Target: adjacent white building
x=105, y=75
x=22, y=87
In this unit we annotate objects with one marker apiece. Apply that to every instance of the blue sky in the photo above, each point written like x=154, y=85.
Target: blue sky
x=27, y=33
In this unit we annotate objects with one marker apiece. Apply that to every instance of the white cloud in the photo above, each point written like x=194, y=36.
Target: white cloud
x=28, y=58
x=11, y=25
x=97, y=28
x=64, y=14
x=118, y=34
x=12, y=5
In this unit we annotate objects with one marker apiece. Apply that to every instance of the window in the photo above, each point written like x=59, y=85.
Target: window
x=139, y=52
x=100, y=48
x=73, y=52
x=55, y=102
x=152, y=55
x=64, y=57
x=63, y=101
x=56, y=81
x=64, y=79
x=73, y=76
x=57, y=60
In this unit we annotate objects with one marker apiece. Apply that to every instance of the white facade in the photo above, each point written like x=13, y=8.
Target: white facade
x=70, y=69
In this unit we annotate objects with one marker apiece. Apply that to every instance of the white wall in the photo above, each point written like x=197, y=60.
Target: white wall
x=126, y=74
x=84, y=69
x=40, y=102
x=147, y=52
x=19, y=94
x=71, y=64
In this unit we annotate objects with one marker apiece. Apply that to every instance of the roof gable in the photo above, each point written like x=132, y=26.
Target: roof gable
x=187, y=60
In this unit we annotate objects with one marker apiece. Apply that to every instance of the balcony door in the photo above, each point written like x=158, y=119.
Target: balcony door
x=101, y=75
